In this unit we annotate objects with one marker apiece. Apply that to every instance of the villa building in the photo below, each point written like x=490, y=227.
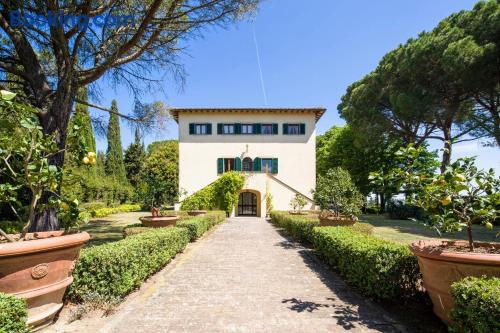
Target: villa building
x=275, y=147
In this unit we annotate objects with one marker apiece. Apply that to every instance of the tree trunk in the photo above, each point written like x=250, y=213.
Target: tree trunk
x=382, y=203
x=469, y=234
x=54, y=120
x=446, y=159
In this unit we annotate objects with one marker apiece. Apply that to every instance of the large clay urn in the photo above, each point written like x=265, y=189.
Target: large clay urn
x=39, y=270
x=440, y=268
x=331, y=220
x=159, y=221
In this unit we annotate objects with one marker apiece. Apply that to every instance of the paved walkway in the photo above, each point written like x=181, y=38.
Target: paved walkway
x=246, y=277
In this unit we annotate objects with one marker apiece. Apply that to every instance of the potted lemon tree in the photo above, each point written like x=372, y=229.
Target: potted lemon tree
x=338, y=198
x=453, y=200
x=35, y=266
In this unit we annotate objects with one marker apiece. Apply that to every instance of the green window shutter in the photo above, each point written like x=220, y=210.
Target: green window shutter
x=220, y=165
x=237, y=164
x=219, y=128
x=275, y=165
x=191, y=128
x=237, y=128
x=302, y=128
x=285, y=129
x=275, y=129
x=257, y=129
x=257, y=164
x=209, y=129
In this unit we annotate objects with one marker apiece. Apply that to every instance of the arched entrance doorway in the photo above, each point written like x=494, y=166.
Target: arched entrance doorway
x=249, y=203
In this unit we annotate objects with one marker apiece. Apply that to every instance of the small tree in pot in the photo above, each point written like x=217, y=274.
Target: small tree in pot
x=298, y=203
x=25, y=152
x=453, y=200
x=339, y=199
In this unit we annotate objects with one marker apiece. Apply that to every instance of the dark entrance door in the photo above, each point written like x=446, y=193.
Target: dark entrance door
x=247, y=204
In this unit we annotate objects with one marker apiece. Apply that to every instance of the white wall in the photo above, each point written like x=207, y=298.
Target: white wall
x=296, y=153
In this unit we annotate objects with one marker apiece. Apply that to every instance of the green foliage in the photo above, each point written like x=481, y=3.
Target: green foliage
x=219, y=195
x=25, y=164
x=378, y=268
x=401, y=211
x=11, y=227
x=160, y=174
x=298, y=202
x=134, y=229
x=453, y=199
x=115, y=269
x=301, y=227
x=335, y=191
x=114, y=154
x=13, y=314
x=135, y=156
x=198, y=225
x=477, y=305
x=102, y=212
x=269, y=201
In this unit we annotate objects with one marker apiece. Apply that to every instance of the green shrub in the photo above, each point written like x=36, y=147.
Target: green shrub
x=222, y=194
x=198, y=225
x=102, y=212
x=400, y=211
x=134, y=229
x=477, y=305
x=13, y=314
x=11, y=227
x=94, y=205
x=181, y=213
x=377, y=267
x=114, y=269
x=301, y=227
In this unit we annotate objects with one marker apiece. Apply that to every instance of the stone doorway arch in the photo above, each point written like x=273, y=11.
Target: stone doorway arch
x=249, y=203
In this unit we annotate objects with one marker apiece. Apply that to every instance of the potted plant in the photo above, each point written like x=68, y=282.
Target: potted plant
x=194, y=207
x=35, y=266
x=339, y=199
x=454, y=200
x=298, y=203
x=156, y=220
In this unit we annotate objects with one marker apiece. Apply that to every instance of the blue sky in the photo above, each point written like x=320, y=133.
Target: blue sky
x=310, y=51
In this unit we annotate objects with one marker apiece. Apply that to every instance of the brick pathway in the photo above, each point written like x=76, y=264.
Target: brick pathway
x=246, y=277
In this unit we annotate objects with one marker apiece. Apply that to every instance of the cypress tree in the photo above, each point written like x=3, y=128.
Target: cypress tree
x=134, y=159
x=114, y=154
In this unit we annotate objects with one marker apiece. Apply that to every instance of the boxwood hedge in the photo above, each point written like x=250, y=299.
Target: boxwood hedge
x=198, y=225
x=377, y=267
x=114, y=269
x=477, y=305
x=13, y=314
x=301, y=227
x=102, y=212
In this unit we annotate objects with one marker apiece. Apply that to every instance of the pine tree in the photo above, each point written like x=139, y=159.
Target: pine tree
x=134, y=159
x=114, y=154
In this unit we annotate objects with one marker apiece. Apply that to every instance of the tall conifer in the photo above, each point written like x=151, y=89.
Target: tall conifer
x=114, y=154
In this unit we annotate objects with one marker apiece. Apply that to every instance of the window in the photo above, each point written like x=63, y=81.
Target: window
x=246, y=129
x=267, y=129
x=200, y=129
x=293, y=129
x=267, y=165
x=247, y=164
x=229, y=164
x=228, y=129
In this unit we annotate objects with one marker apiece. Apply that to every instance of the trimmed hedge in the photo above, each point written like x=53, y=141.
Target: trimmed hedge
x=102, y=212
x=198, y=225
x=134, y=229
x=301, y=227
x=377, y=267
x=114, y=269
x=477, y=305
x=13, y=314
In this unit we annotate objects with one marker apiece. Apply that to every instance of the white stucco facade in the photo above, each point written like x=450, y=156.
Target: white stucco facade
x=295, y=154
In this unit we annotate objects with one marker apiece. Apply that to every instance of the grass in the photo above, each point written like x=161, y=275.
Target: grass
x=109, y=229
x=406, y=231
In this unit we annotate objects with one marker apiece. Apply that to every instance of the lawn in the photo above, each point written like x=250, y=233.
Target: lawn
x=406, y=231
x=109, y=228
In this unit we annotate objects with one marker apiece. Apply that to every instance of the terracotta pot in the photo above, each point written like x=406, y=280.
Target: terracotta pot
x=159, y=221
x=196, y=212
x=332, y=221
x=440, y=269
x=39, y=271
x=294, y=212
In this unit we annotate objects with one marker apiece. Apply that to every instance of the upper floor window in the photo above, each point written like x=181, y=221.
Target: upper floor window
x=200, y=129
x=246, y=129
x=294, y=129
x=267, y=164
x=247, y=164
x=229, y=164
x=228, y=129
x=267, y=129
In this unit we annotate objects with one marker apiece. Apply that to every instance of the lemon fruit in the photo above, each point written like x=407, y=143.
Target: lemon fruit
x=446, y=201
x=86, y=160
x=488, y=225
